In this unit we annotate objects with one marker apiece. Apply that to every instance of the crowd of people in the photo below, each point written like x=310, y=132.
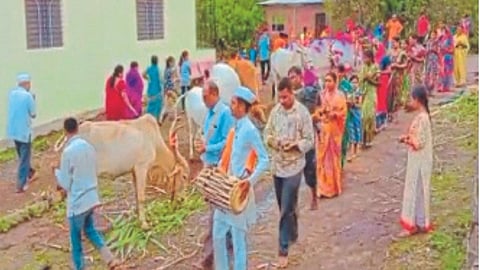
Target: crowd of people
x=312, y=133
x=309, y=134
x=124, y=94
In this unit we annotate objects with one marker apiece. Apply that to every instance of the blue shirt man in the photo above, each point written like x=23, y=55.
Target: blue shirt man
x=218, y=123
x=77, y=175
x=264, y=56
x=264, y=47
x=21, y=111
x=247, y=138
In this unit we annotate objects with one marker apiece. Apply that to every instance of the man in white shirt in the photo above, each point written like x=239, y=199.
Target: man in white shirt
x=21, y=111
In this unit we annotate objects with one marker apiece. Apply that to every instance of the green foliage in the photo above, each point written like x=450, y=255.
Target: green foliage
x=33, y=210
x=39, y=144
x=443, y=248
x=127, y=238
x=233, y=20
x=464, y=113
x=371, y=12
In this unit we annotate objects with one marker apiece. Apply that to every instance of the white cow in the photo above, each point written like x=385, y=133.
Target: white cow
x=283, y=59
x=134, y=146
x=227, y=81
x=320, y=50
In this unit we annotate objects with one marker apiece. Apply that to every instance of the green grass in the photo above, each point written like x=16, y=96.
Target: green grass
x=40, y=144
x=127, y=238
x=443, y=248
x=464, y=116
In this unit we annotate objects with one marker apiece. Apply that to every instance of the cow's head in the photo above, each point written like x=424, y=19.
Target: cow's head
x=302, y=52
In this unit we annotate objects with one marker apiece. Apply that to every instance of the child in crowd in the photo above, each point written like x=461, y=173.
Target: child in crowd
x=354, y=124
x=382, y=94
x=252, y=54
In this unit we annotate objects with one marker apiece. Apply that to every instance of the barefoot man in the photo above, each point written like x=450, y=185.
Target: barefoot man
x=308, y=96
x=289, y=134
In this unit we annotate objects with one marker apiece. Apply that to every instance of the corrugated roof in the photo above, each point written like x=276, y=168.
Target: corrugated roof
x=290, y=2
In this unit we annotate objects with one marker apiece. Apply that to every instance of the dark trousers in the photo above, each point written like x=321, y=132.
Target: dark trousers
x=286, y=191
x=207, y=260
x=265, y=69
x=24, y=152
x=310, y=170
x=184, y=89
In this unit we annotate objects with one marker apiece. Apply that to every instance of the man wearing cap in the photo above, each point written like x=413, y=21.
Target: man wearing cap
x=246, y=139
x=21, y=111
x=217, y=125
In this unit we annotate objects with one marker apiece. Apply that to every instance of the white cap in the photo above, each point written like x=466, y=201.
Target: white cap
x=23, y=77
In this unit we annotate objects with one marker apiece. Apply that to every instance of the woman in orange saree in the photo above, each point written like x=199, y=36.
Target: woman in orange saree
x=330, y=117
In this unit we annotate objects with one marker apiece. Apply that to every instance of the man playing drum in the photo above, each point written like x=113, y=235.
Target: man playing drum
x=217, y=125
x=246, y=139
x=289, y=134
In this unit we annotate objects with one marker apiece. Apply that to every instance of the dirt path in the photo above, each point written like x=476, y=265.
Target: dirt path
x=355, y=226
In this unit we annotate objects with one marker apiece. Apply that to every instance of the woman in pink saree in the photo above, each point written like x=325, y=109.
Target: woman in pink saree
x=134, y=90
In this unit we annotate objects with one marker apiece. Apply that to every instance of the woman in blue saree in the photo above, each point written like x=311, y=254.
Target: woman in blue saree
x=155, y=88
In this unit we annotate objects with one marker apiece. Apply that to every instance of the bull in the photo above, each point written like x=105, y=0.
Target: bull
x=136, y=147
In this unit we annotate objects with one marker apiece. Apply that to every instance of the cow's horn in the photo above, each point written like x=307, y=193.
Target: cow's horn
x=60, y=143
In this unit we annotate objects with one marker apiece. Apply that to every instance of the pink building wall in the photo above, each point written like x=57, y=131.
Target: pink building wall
x=296, y=17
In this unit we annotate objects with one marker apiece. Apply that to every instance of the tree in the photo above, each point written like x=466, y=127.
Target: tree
x=374, y=11
x=233, y=20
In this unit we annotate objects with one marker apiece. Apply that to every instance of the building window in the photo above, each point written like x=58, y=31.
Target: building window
x=44, y=24
x=320, y=23
x=278, y=23
x=150, y=20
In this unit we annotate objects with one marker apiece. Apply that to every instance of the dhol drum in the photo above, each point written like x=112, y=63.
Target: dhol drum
x=221, y=190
